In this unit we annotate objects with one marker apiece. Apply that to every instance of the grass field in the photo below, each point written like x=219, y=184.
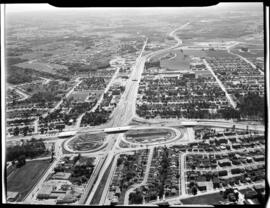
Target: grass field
x=87, y=142
x=83, y=95
x=149, y=135
x=210, y=199
x=147, y=132
x=23, y=179
x=43, y=67
x=182, y=60
x=79, y=96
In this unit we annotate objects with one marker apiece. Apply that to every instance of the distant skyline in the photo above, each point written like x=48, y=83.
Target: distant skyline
x=17, y=8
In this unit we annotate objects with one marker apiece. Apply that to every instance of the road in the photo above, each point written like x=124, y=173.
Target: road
x=182, y=174
x=247, y=61
x=173, y=35
x=79, y=119
x=104, y=200
x=120, y=118
x=176, y=200
x=126, y=107
x=22, y=94
x=67, y=95
x=33, y=193
x=91, y=182
x=134, y=187
x=122, y=115
x=233, y=104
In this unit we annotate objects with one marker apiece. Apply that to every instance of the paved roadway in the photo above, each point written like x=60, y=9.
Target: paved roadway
x=67, y=95
x=148, y=165
x=247, y=61
x=176, y=200
x=78, y=123
x=122, y=115
x=220, y=84
x=33, y=193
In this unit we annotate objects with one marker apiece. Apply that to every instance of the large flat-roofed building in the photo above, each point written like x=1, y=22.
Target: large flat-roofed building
x=45, y=191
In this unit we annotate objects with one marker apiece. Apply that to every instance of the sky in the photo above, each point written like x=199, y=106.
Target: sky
x=10, y=8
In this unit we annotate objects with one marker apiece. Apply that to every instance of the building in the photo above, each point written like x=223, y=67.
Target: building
x=258, y=158
x=224, y=162
x=61, y=176
x=45, y=191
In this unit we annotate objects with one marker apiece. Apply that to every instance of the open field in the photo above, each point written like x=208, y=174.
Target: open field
x=179, y=60
x=83, y=95
x=23, y=179
x=211, y=199
x=79, y=96
x=179, y=63
x=149, y=135
x=43, y=67
x=234, y=27
x=87, y=142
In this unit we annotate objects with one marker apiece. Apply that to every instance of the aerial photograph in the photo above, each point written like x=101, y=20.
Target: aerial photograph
x=134, y=106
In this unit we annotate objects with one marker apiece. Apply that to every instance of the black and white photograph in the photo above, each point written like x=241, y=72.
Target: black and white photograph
x=134, y=106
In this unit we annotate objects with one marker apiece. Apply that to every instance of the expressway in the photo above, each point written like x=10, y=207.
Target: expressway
x=121, y=117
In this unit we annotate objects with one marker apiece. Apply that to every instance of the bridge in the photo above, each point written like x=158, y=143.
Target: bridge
x=117, y=129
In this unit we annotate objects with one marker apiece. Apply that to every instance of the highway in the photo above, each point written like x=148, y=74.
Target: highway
x=121, y=117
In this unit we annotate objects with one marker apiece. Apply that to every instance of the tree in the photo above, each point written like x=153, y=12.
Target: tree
x=25, y=130
x=21, y=160
x=194, y=190
x=16, y=131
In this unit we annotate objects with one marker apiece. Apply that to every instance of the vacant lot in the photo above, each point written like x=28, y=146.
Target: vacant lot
x=210, y=199
x=80, y=96
x=23, y=179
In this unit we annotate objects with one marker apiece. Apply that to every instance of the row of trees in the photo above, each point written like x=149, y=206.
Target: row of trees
x=23, y=130
x=27, y=149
